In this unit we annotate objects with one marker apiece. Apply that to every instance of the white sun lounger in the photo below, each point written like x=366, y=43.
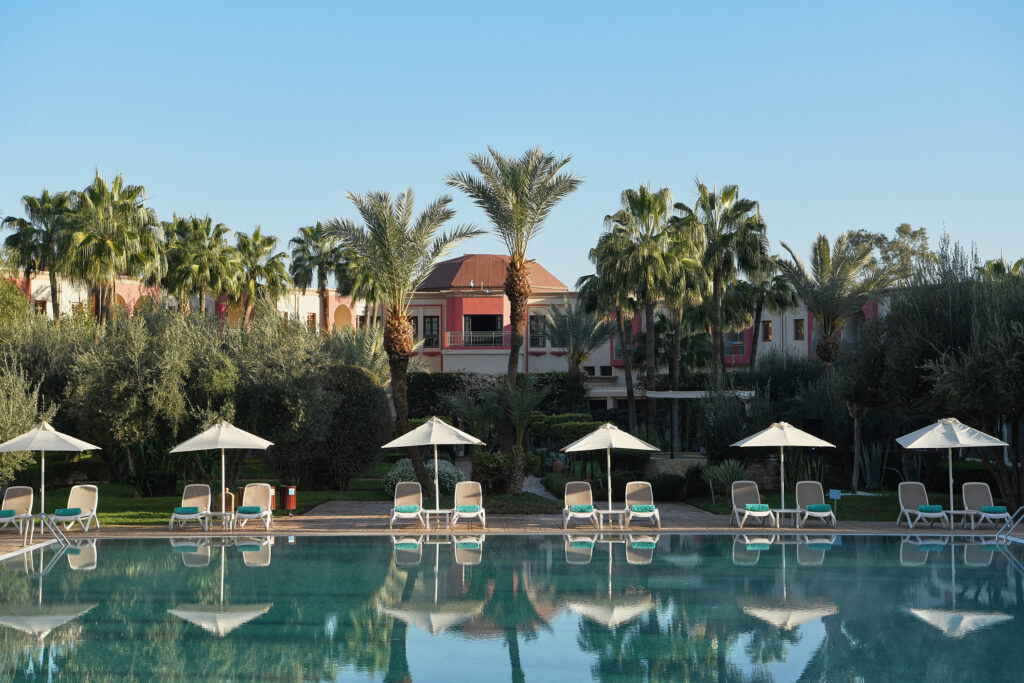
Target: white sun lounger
x=579, y=495
x=82, y=502
x=194, y=496
x=746, y=551
x=810, y=493
x=19, y=500
x=640, y=549
x=408, y=495
x=469, y=550
x=255, y=496
x=639, y=493
x=255, y=550
x=913, y=496
x=579, y=549
x=82, y=556
x=745, y=493
x=977, y=496
x=408, y=551
x=195, y=552
x=469, y=496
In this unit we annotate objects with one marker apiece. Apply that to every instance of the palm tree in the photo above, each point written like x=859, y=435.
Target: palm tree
x=316, y=250
x=262, y=272
x=400, y=252
x=769, y=288
x=40, y=241
x=998, y=269
x=114, y=234
x=649, y=259
x=838, y=283
x=517, y=194
x=579, y=333
x=200, y=260
x=733, y=235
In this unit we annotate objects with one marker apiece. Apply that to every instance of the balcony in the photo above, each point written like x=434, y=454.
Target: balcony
x=494, y=340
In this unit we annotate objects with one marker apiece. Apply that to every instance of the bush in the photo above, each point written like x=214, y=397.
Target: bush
x=426, y=390
x=402, y=471
x=696, y=481
x=555, y=483
x=669, y=487
x=493, y=469
x=725, y=473
x=13, y=303
x=20, y=409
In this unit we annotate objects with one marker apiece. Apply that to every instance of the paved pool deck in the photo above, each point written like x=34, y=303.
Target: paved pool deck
x=341, y=518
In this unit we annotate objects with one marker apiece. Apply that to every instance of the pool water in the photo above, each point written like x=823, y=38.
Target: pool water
x=543, y=608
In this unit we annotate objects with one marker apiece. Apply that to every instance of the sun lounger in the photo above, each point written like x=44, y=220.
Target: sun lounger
x=408, y=503
x=579, y=549
x=811, y=550
x=255, y=550
x=195, y=507
x=978, y=499
x=408, y=551
x=469, y=503
x=914, y=506
x=82, y=502
x=810, y=500
x=195, y=552
x=640, y=502
x=640, y=549
x=979, y=554
x=746, y=551
x=579, y=503
x=914, y=550
x=469, y=550
x=746, y=501
x=82, y=556
x=17, y=507
x=255, y=505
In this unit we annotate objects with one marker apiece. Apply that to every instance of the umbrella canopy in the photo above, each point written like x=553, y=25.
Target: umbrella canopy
x=434, y=432
x=38, y=621
x=605, y=438
x=44, y=438
x=222, y=436
x=612, y=612
x=782, y=434
x=220, y=619
x=948, y=433
x=435, y=618
x=957, y=624
x=788, y=617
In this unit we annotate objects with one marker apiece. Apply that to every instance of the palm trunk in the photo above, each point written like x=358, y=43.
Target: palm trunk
x=323, y=310
x=652, y=414
x=517, y=290
x=398, y=344
x=515, y=662
x=757, y=330
x=54, y=297
x=202, y=298
x=109, y=296
x=626, y=339
x=856, y=454
x=717, y=338
x=673, y=371
x=398, y=661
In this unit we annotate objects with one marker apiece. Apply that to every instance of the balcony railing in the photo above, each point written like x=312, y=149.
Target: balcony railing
x=491, y=339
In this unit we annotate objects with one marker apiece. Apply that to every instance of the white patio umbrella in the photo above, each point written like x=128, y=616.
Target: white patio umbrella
x=958, y=624
x=605, y=438
x=434, y=432
x=948, y=433
x=39, y=620
x=222, y=436
x=782, y=434
x=44, y=438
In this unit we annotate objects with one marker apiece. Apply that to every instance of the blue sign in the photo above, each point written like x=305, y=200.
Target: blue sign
x=835, y=494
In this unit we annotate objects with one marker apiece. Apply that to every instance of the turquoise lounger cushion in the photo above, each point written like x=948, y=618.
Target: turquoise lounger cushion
x=819, y=546
x=407, y=546
x=581, y=508
x=758, y=546
x=73, y=551
x=757, y=507
x=250, y=510
x=929, y=508
x=407, y=508
x=932, y=547
x=994, y=509
x=248, y=548
x=467, y=545
x=186, y=511
x=186, y=549
x=989, y=546
x=642, y=508
x=582, y=545
x=467, y=508
x=819, y=507
x=643, y=545
x=6, y=513
x=68, y=512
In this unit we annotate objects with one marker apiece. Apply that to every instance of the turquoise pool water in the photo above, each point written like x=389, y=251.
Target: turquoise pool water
x=673, y=607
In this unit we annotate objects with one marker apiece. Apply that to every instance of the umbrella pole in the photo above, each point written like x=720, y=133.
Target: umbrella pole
x=949, y=453
x=223, y=503
x=782, y=475
x=222, y=550
x=608, y=453
x=42, y=482
x=437, y=483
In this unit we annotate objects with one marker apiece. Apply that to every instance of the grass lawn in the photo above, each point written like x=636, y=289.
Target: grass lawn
x=875, y=508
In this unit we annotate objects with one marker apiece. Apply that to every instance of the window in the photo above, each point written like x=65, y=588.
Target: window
x=766, y=331
x=414, y=324
x=40, y=307
x=734, y=347
x=537, y=337
x=798, y=329
x=311, y=322
x=589, y=370
x=431, y=331
x=482, y=329
x=606, y=371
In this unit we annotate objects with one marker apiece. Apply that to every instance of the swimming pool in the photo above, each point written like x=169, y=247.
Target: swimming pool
x=544, y=608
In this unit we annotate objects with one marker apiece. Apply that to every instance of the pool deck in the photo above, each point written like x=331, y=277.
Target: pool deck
x=342, y=518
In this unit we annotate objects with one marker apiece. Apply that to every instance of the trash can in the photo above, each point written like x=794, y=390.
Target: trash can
x=288, y=496
x=229, y=502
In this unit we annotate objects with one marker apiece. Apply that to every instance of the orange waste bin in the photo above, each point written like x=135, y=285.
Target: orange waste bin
x=288, y=496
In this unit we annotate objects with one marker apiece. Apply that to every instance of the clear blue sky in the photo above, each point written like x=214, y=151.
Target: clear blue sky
x=834, y=117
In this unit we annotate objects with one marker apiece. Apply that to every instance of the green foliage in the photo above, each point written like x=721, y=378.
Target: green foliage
x=449, y=476
x=723, y=418
x=725, y=473
x=21, y=408
x=13, y=303
x=493, y=469
x=427, y=390
x=669, y=487
x=555, y=483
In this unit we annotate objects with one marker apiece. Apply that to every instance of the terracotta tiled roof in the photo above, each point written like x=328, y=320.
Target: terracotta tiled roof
x=487, y=271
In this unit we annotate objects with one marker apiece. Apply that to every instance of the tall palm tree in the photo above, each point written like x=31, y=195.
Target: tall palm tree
x=200, y=260
x=115, y=234
x=733, y=235
x=317, y=251
x=998, y=269
x=649, y=259
x=517, y=194
x=838, y=283
x=579, y=333
x=401, y=252
x=263, y=272
x=40, y=241
x=769, y=288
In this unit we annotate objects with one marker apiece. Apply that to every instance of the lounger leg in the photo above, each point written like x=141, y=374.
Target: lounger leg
x=483, y=519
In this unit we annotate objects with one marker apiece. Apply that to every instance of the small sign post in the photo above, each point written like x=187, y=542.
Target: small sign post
x=835, y=494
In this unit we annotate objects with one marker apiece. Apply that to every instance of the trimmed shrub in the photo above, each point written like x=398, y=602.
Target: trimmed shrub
x=669, y=487
x=555, y=483
x=426, y=390
x=449, y=476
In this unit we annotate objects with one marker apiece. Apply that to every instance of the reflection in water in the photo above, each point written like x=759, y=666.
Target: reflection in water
x=605, y=607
